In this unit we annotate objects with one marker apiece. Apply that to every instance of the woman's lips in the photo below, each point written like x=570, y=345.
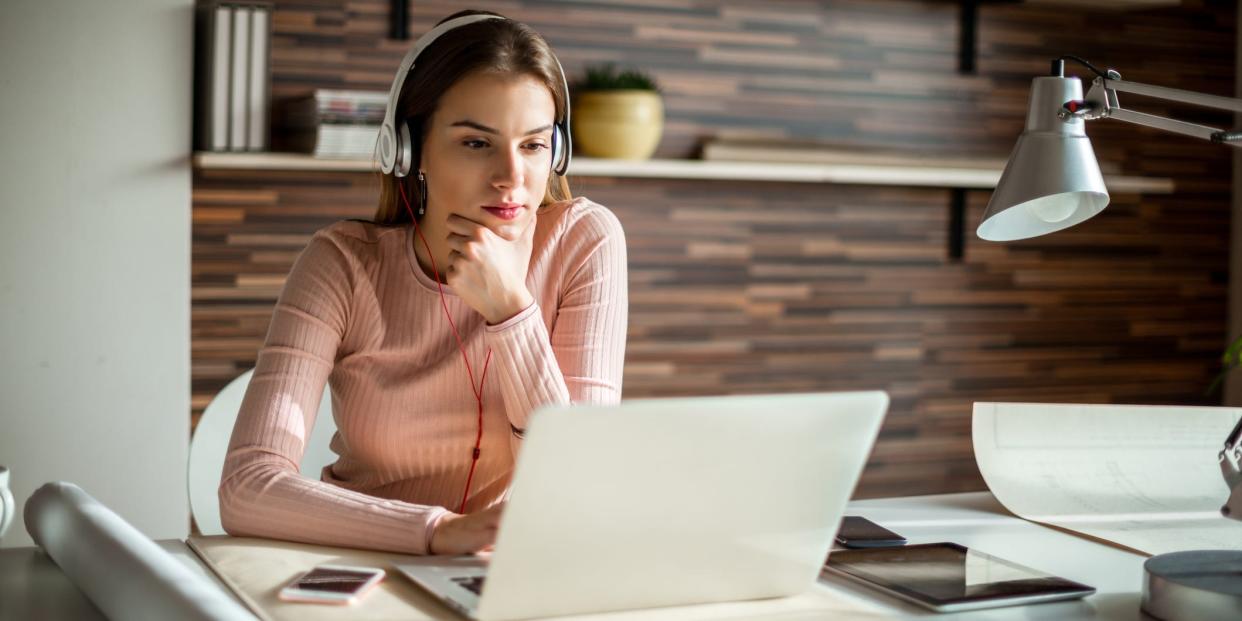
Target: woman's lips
x=506, y=212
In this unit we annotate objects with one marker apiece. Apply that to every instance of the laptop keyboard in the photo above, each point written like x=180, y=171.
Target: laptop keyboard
x=474, y=584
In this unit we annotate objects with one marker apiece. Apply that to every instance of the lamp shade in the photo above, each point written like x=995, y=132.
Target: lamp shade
x=1052, y=180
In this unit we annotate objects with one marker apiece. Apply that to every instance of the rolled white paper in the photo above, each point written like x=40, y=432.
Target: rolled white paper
x=123, y=572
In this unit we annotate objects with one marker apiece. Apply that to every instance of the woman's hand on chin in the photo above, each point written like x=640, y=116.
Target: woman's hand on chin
x=487, y=270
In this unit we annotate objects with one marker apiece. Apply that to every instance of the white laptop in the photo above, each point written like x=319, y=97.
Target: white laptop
x=666, y=502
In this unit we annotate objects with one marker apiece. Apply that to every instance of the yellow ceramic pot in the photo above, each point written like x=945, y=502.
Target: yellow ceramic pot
x=621, y=124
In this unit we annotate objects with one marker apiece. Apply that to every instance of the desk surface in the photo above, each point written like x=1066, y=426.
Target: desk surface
x=30, y=582
x=33, y=587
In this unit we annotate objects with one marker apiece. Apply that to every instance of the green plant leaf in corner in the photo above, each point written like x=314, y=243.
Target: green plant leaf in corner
x=1228, y=360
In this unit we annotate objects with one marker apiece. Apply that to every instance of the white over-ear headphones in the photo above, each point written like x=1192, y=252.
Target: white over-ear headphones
x=395, y=142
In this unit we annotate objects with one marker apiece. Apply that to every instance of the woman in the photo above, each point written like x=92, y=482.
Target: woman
x=480, y=292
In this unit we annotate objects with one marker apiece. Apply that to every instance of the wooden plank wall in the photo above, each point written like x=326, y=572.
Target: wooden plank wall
x=772, y=287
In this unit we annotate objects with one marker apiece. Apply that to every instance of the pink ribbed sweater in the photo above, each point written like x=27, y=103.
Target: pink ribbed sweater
x=358, y=313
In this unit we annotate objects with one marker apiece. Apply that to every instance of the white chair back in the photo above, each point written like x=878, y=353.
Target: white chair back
x=211, y=441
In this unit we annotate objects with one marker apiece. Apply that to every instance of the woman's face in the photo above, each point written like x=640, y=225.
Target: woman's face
x=488, y=152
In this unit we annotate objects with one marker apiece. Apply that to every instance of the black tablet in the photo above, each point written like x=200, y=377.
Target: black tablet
x=947, y=577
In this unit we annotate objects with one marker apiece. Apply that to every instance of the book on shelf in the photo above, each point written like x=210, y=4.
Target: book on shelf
x=329, y=106
x=332, y=123
x=333, y=141
x=232, y=76
x=258, y=103
x=213, y=28
x=239, y=63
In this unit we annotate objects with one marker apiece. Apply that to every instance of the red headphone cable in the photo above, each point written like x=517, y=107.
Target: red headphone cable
x=478, y=393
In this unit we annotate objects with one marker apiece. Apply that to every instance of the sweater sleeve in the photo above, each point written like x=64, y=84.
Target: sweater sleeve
x=582, y=360
x=261, y=491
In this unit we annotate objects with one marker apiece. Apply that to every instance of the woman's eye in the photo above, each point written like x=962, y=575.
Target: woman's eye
x=474, y=144
x=536, y=146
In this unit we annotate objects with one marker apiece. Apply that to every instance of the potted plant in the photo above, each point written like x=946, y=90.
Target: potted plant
x=617, y=115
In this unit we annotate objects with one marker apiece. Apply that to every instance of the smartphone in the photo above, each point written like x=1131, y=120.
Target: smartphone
x=859, y=532
x=947, y=577
x=332, y=584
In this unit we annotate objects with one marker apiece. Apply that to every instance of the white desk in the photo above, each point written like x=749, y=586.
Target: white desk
x=30, y=582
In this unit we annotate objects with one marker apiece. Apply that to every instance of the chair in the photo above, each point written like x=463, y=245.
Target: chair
x=211, y=441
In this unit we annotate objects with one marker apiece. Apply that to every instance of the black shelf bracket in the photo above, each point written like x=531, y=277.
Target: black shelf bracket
x=398, y=19
x=957, y=224
x=968, y=36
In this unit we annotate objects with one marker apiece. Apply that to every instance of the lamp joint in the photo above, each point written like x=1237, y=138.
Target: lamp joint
x=1225, y=137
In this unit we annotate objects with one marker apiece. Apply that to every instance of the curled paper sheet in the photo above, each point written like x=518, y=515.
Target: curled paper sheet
x=123, y=572
x=1146, y=477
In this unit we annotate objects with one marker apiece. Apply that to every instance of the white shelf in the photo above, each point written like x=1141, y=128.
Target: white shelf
x=279, y=161
x=913, y=173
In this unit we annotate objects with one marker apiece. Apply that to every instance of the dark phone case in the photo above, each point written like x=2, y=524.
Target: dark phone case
x=859, y=532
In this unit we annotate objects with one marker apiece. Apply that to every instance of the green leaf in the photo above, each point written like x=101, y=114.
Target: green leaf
x=606, y=78
x=1232, y=352
x=1228, y=360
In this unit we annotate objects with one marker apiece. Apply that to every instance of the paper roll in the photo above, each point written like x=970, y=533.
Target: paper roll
x=123, y=572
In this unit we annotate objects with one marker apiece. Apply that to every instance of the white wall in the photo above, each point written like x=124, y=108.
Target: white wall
x=95, y=253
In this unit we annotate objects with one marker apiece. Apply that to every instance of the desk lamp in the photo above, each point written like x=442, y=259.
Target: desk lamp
x=1051, y=182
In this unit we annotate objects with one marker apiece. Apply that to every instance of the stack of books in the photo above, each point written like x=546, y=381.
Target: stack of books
x=232, y=55
x=333, y=123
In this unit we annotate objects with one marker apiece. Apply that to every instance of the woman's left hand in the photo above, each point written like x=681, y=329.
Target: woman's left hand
x=488, y=270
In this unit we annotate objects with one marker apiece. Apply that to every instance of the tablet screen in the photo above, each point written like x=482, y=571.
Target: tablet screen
x=940, y=574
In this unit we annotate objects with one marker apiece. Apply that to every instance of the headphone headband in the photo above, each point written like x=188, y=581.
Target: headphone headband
x=396, y=150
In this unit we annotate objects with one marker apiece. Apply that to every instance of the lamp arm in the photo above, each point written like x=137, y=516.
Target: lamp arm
x=1173, y=94
x=1101, y=102
x=1169, y=125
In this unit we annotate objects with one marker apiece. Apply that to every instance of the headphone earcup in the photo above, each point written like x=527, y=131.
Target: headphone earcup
x=556, y=146
x=387, y=148
x=404, y=148
x=559, y=165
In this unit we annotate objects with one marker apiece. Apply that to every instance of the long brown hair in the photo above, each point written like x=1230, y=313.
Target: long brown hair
x=495, y=45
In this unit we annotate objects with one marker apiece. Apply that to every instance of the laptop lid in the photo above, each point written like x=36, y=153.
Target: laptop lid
x=667, y=502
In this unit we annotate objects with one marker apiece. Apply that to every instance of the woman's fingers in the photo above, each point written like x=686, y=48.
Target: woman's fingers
x=464, y=226
x=460, y=246
x=464, y=534
x=493, y=513
x=470, y=229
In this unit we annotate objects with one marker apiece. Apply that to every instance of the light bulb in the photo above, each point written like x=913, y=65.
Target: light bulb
x=1055, y=208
